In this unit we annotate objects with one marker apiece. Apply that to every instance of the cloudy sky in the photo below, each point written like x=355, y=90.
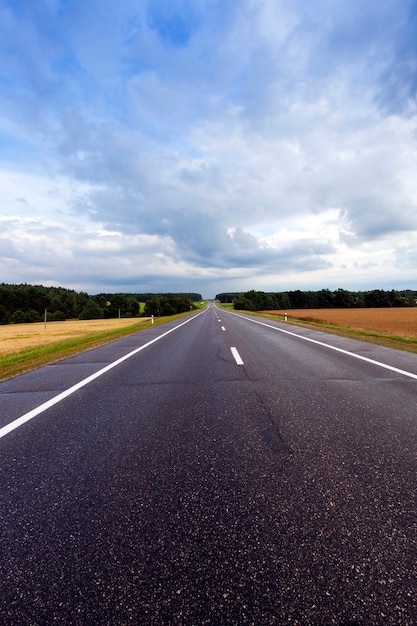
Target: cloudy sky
x=208, y=145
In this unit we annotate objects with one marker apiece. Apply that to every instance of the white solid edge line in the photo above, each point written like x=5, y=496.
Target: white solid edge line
x=46, y=405
x=327, y=345
x=237, y=356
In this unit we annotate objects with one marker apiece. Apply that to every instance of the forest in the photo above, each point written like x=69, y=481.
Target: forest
x=324, y=299
x=29, y=303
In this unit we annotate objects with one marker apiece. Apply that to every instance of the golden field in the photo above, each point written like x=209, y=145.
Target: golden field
x=17, y=337
x=400, y=322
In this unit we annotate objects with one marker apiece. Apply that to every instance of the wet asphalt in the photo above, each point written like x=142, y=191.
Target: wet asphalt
x=183, y=489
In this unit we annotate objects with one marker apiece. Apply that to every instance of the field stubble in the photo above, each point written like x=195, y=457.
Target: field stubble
x=395, y=322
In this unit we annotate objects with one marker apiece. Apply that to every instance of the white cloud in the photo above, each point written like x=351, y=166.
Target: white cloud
x=246, y=144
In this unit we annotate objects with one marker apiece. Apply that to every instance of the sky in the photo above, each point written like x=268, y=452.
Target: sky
x=208, y=145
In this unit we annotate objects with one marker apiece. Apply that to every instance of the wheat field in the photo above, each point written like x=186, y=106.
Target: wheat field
x=401, y=321
x=17, y=337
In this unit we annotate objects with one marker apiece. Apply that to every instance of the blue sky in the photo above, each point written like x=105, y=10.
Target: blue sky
x=208, y=145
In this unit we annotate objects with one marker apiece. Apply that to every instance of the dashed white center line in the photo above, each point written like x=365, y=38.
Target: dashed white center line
x=223, y=328
x=237, y=356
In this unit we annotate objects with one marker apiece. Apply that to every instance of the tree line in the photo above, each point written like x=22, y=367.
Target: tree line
x=28, y=303
x=323, y=299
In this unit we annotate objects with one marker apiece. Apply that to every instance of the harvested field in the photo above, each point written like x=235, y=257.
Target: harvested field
x=399, y=322
x=17, y=337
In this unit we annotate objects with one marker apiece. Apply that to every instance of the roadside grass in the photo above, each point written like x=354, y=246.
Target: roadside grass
x=26, y=360
x=200, y=304
x=408, y=344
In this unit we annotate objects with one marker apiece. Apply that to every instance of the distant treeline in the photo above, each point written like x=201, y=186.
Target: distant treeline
x=28, y=303
x=323, y=299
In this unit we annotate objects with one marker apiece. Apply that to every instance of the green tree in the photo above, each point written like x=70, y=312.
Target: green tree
x=118, y=304
x=285, y=301
x=58, y=316
x=377, y=298
x=18, y=317
x=32, y=316
x=256, y=301
x=133, y=307
x=91, y=311
x=4, y=315
x=343, y=299
x=325, y=299
x=168, y=304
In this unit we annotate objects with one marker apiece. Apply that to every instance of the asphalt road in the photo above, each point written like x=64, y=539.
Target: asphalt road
x=190, y=485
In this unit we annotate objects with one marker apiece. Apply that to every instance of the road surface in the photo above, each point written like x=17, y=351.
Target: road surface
x=168, y=479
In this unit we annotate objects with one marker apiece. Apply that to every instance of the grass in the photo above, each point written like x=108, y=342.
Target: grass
x=25, y=360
